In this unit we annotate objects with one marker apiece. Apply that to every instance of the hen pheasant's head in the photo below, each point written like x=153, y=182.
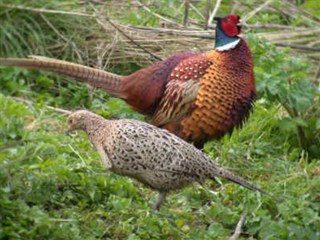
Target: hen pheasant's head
x=227, y=30
x=77, y=119
x=81, y=119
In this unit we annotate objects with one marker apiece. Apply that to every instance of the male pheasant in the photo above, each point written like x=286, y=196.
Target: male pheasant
x=153, y=156
x=197, y=96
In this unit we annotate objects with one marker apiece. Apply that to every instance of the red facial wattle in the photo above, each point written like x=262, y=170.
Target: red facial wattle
x=230, y=25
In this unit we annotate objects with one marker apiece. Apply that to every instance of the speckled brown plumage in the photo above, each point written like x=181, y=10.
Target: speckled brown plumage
x=197, y=96
x=153, y=156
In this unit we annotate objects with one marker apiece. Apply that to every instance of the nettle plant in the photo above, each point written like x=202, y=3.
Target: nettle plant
x=285, y=79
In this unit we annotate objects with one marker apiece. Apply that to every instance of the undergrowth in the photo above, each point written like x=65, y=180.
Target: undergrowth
x=53, y=186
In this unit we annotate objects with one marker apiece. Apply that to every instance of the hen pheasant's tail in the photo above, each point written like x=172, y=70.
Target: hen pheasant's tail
x=110, y=82
x=236, y=179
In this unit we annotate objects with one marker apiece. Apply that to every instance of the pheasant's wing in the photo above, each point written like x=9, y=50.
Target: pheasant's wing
x=181, y=90
x=156, y=148
x=178, y=99
x=145, y=144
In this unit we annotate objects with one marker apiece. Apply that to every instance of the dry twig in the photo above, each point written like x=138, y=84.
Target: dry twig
x=157, y=15
x=186, y=13
x=30, y=103
x=42, y=10
x=255, y=11
x=207, y=14
x=65, y=39
x=150, y=40
x=237, y=231
x=302, y=47
x=214, y=12
x=103, y=21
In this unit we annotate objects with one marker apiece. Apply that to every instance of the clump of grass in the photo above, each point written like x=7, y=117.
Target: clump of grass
x=54, y=186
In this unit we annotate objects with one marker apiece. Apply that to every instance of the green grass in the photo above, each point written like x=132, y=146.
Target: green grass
x=53, y=186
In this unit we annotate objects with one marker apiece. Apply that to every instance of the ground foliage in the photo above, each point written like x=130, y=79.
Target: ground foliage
x=52, y=186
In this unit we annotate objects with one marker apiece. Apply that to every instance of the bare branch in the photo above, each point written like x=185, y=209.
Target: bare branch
x=74, y=46
x=272, y=25
x=102, y=21
x=38, y=10
x=237, y=231
x=157, y=15
x=305, y=13
x=28, y=102
x=186, y=13
x=280, y=36
x=214, y=12
x=255, y=11
x=176, y=32
x=302, y=47
x=196, y=10
x=317, y=74
x=207, y=14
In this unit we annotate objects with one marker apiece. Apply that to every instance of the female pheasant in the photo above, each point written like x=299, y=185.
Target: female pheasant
x=153, y=156
x=197, y=96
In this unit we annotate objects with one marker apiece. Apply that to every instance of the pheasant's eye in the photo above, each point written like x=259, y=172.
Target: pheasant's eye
x=70, y=121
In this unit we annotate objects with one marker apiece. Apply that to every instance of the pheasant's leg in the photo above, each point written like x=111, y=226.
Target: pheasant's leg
x=159, y=201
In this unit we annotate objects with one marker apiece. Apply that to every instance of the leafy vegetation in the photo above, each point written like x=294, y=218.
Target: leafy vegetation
x=288, y=83
x=52, y=186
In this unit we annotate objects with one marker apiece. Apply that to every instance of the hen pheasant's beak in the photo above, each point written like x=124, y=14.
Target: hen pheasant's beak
x=71, y=132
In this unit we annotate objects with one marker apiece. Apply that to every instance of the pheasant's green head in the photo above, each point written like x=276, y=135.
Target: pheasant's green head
x=227, y=30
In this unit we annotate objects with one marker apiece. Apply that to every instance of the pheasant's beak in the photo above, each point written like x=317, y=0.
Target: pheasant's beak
x=68, y=131
x=71, y=132
x=239, y=26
